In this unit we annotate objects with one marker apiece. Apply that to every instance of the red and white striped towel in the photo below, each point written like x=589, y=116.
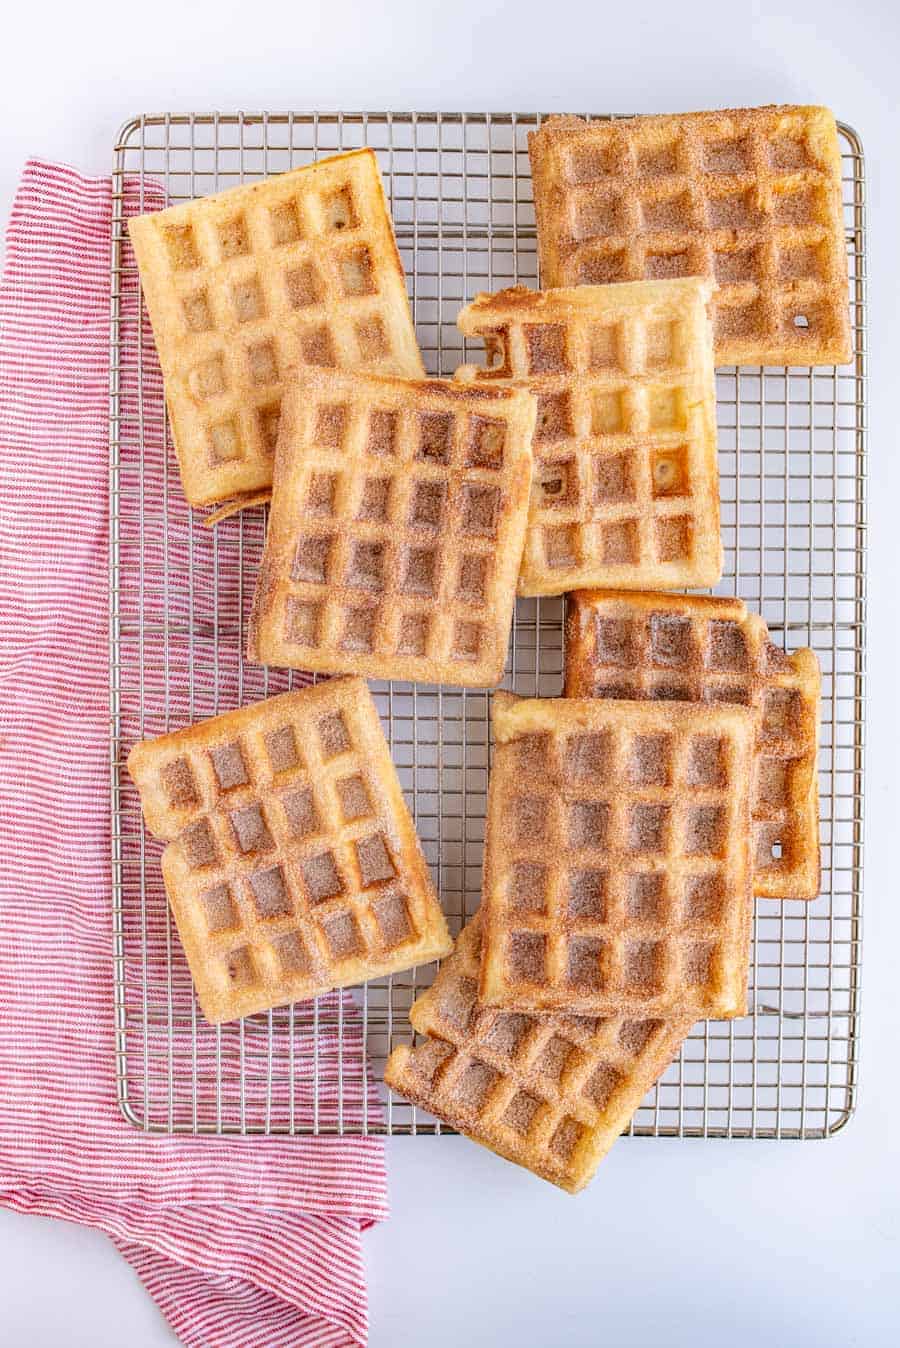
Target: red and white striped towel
x=241, y=1242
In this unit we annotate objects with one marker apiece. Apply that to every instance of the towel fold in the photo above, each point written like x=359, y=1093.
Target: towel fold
x=245, y=1241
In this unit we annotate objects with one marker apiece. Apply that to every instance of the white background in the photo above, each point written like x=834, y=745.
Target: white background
x=676, y=1242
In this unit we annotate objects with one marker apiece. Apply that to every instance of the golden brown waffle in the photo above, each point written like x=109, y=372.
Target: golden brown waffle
x=626, y=483
x=300, y=269
x=396, y=530
x=694, y=649
x=551, y=1093
x=748, y=197
x=293, y=866
x=617, y=858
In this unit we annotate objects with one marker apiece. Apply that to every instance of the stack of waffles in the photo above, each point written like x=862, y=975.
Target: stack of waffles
x=632, y=820
x=616, y=912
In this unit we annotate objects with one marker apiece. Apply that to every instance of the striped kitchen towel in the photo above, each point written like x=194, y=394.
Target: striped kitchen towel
x=241, y=1241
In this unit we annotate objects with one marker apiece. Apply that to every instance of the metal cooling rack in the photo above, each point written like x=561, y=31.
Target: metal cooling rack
x=792, y=465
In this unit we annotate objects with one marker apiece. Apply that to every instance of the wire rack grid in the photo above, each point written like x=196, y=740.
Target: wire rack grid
x=792, y=476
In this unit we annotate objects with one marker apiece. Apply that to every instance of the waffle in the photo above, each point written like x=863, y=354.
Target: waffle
x=292, y=865
x=551, y=1093
x=301, y=268
x=626, y=486
x=749, y=197
x=396, y=529
x=617, y=858
x=695, y=649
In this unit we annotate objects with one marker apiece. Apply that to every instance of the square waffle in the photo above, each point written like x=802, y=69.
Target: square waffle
x=748, y=197
x=551, y=1093
x=301, y=268
x=626, y=484
x=396, y=530
x=292, y=864
x=695, y=649
x=617, y=858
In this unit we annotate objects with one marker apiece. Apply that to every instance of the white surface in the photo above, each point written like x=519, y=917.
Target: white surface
x=676, y=1242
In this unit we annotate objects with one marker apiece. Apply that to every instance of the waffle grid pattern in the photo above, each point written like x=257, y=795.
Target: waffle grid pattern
x=617, y=858
x=301, y=269
x=412, y=500
x=294, y=867
x=626, y=483
x=792, y=472
x=750, y=198
x=698, y=649
x=549, y=1092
